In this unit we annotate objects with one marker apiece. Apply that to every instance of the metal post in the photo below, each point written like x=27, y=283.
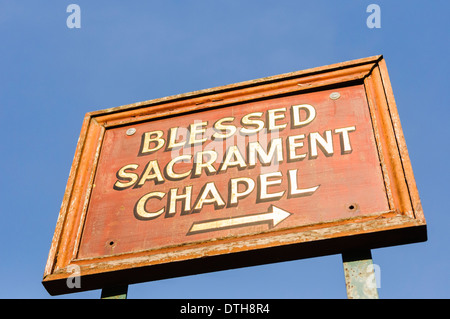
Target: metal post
x=115, y=292
x=359, y=275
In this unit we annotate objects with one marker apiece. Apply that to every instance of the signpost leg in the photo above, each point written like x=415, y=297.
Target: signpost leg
x=359, y=275
x=115, y=292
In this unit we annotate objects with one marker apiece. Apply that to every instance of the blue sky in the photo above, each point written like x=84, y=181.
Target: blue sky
x=50, y=76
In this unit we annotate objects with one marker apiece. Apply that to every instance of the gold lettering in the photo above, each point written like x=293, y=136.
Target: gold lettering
x=325, y=144
x=203, y=198
x=234, y=191
x=169, y=168
x=218, y=126
x=174, y=197
x=140, y=210
x=275, y=148
x=272, y=117
x=246, y=121
x=294, y=191
x=293, y=145
x=122, y=174
x=199, y=164
x=346, y=148
x=152, y=166
x=233, y=152
x=194, y=130
x=173, y=132
x=149, y=138
x=310, y=111
x=264, y=183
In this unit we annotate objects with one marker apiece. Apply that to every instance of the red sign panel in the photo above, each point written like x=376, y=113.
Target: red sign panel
x=212, y=178
x=277, y=163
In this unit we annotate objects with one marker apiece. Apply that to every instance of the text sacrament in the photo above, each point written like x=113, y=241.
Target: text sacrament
x=245, y=143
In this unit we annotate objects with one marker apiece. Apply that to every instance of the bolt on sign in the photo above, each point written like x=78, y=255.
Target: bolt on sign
x=292, y=166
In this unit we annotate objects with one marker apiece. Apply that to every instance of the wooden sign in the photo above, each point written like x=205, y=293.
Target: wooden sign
x=291, y=166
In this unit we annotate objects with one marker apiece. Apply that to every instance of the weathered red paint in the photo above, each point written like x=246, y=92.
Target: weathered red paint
x=350, y=184
x=354, y=189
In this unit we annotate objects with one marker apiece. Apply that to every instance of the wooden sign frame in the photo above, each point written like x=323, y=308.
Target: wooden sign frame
x=403, y=223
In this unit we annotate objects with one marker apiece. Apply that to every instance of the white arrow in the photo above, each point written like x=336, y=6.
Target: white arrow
x=273, y=217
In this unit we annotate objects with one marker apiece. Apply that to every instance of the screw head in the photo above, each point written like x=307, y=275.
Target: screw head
x=335, y=95
x=131, y=131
